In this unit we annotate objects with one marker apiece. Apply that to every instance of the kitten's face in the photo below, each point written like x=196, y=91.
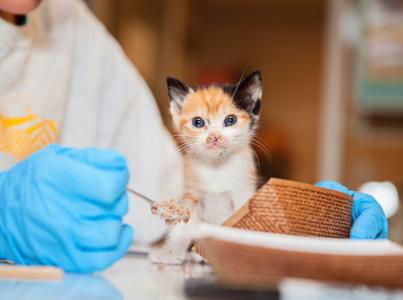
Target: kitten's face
x=216, y=120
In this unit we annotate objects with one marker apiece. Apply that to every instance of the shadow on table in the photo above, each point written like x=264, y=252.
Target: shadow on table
x=209, y=289
x=89, y=287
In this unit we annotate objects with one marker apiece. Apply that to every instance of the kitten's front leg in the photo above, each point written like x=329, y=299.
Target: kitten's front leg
x=178, y=241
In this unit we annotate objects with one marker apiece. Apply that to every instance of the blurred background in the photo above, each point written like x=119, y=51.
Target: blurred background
x=332, y=71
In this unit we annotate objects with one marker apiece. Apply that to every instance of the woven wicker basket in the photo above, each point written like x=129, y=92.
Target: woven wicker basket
x=289, y=207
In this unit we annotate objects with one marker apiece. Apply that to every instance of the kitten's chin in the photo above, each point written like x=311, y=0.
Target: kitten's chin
x=214, y=153
x=209, y=153
x=219, y=152
x=215, y=150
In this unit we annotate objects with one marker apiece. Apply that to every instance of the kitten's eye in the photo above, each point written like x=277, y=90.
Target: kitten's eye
x=198, y=122
x=230, y=120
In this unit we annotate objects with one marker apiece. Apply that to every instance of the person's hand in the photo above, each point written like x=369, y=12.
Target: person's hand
x=369, y=221
x=64, y=207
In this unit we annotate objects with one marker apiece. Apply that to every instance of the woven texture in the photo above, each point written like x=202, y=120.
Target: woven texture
x=284, y=206
x=289, y=207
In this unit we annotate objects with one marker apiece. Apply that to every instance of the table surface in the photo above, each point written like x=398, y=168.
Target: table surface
x=134, y=277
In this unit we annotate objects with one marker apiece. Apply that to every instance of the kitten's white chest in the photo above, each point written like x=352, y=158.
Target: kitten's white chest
x=220, y=179
x=217, y=207
x=226, y=187
x=226, y=176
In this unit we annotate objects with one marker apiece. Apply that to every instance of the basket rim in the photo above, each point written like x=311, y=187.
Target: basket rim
x=306, y=186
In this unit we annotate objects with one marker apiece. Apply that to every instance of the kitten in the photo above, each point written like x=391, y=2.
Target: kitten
x=216, y=124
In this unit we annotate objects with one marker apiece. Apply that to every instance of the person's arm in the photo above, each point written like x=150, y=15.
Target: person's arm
x=369, y=220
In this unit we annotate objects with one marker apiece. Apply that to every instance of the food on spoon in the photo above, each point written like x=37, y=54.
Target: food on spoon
x=173, y=212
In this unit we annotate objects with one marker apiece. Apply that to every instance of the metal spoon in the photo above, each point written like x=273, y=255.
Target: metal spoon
x=151, y=202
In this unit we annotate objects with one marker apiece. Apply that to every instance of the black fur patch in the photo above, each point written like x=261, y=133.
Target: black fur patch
x=256, y=108
x=176, y=89
x=242, y=94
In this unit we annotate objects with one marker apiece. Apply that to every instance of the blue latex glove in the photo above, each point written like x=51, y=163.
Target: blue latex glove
x=64, y=207
x=369, y=221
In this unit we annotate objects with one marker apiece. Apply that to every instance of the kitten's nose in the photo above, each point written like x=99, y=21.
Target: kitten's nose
x=213, y=138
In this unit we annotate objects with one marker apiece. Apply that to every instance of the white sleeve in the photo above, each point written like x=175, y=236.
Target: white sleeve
x=135, y=129
x=129, y=121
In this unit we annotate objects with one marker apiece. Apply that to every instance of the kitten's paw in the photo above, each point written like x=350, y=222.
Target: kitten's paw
x=166, y=256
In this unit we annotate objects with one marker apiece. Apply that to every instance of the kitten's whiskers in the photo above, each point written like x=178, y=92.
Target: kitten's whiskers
x=263, y=146
x=247, y=147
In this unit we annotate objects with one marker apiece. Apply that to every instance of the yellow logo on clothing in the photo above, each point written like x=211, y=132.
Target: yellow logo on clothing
x=21, y=136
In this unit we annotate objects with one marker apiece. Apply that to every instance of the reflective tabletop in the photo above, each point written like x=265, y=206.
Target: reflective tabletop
x=134, y=277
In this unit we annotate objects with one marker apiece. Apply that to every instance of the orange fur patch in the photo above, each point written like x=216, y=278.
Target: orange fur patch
x=210, y=103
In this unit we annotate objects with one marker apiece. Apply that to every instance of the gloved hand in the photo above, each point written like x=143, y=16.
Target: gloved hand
x=64, y=207
x=369, y=221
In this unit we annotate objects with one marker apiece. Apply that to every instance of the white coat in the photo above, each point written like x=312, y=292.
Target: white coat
x=64, y=79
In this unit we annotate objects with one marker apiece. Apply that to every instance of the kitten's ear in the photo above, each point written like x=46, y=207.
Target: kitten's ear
x=248, y=94
x=177, y=92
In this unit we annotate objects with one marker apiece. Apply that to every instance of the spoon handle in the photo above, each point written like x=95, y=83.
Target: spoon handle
x=151, y=202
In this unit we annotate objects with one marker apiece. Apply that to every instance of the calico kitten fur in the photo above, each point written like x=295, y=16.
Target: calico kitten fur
x=215, y=124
